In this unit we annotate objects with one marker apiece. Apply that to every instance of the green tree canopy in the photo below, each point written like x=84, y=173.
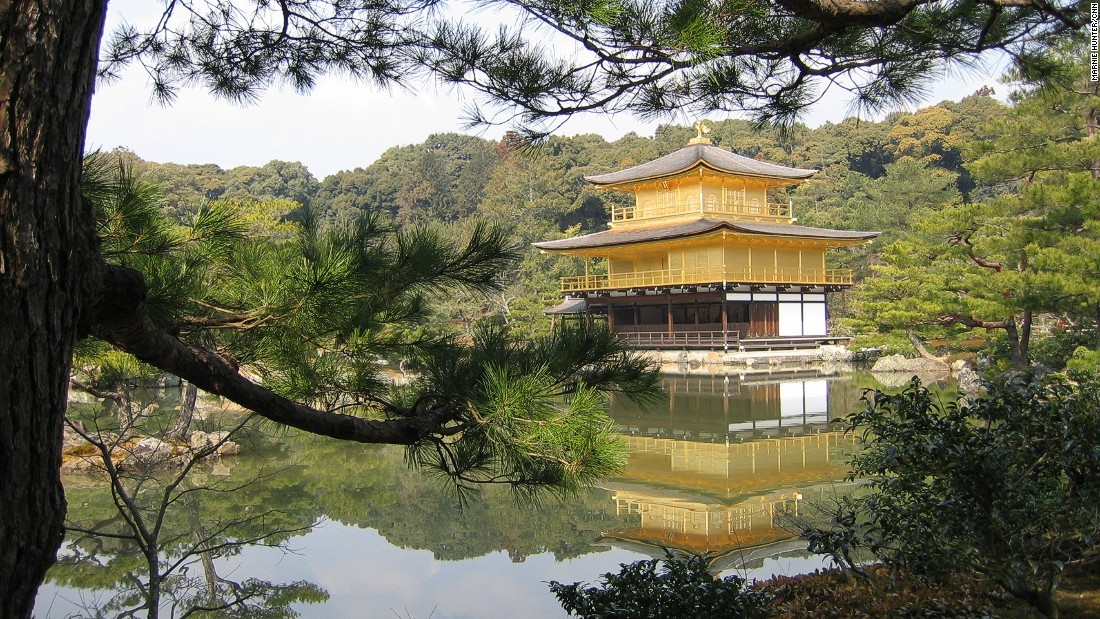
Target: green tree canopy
x=1030, y=249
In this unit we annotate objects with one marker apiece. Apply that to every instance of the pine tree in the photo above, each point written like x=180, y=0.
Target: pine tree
x=999, y=263
x=56, y=287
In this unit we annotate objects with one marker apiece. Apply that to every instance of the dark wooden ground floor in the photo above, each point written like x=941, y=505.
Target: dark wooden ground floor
x=745, y=320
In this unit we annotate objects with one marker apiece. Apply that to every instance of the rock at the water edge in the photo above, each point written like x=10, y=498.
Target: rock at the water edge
x=150, y=450
x=202, y=440
x=896, y=370
x=899, y=363
x=970, y=382
x=199, y=439
x=837, y=354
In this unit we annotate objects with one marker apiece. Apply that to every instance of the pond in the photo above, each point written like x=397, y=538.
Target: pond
x=712, y=468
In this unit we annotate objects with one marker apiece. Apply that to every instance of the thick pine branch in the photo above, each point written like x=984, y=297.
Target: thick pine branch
x=122, y=321
x=771, y=59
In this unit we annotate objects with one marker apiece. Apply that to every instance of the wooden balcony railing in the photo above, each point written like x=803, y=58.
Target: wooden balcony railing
x=681, y=339
x=751, y=209
x=679, y=277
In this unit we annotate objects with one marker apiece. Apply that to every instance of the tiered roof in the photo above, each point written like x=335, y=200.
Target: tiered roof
x=700, y=154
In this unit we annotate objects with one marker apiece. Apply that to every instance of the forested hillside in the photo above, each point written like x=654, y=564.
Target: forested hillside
x=452, y=177
x=902, y=176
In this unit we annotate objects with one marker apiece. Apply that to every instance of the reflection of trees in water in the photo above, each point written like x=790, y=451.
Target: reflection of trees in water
x=372, y=487
x=273, y=494
x=150, y=520
x=180, y=573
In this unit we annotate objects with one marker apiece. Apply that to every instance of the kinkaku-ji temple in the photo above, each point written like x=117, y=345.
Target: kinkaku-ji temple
x=704, y=259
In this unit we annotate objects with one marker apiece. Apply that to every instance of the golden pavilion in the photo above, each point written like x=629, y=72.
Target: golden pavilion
x=704, y=258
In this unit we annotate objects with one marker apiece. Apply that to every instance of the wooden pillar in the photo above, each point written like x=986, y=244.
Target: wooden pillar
x=725, y=317
x=670, y=330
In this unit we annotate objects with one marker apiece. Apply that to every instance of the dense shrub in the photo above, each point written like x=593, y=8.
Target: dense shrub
x=1005, y=486
x=672, y=588
x=1057, y=349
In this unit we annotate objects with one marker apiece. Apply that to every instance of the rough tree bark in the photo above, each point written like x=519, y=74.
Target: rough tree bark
x=48, y=255
x=921, y=349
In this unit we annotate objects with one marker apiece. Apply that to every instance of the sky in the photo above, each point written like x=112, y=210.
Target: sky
x=340, y=124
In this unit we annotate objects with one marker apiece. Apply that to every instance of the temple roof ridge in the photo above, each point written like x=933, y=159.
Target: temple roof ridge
x=693, y=155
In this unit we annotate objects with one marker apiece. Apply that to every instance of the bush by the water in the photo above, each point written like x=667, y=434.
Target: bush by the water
x=670, y=588
x=1005, y=486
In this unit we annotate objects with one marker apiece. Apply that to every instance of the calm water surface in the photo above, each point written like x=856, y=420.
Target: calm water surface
x=710, y=469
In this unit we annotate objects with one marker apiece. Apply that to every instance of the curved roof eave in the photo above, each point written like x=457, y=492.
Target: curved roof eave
x=612, y=238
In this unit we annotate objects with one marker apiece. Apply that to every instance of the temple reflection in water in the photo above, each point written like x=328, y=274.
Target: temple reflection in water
x=713, y=467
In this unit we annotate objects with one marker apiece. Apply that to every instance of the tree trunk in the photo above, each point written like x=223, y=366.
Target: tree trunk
x=1098, y=326
x=1041, y=600
x=1092, y=129
x=1024, y=352
x=48, y=272
x=125, y=404
x=156, y=580
x=181, y=429
x=1015, y=351
x=199, y=539
x=920, y=347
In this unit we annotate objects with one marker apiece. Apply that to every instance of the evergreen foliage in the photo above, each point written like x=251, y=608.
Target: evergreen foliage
x=933, y=181
x=771, y=59
x=1026, y=247
x=646, y=58
x=538, y=193
x=671, y=588
x=1004, y=485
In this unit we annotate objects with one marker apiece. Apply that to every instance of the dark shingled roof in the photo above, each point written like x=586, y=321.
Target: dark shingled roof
x=569, y=306
x=688, y=157
x=626, y=236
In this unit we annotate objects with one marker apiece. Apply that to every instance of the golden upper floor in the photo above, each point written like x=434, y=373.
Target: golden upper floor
x=701, y=195
x=703, y=215
x=701, y=180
